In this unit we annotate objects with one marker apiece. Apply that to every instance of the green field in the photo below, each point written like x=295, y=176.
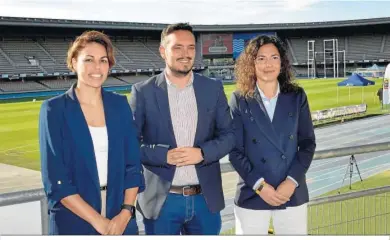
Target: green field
x=19, y=120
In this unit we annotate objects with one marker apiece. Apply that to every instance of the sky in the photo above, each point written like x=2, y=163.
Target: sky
x=208, y=12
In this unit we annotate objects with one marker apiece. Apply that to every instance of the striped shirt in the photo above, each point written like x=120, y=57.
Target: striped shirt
x=184, y=115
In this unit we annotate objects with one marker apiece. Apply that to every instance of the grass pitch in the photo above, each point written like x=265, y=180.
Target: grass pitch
x=19, y=120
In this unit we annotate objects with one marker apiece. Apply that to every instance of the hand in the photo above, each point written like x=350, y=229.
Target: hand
x=287, y=188
x=184, y=156
x=272, y=197
x=189, y=156
x=118, y=224
x=101, y=225
x=172, y=156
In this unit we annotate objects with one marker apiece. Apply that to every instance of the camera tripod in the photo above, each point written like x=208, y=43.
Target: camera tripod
x=351, y=164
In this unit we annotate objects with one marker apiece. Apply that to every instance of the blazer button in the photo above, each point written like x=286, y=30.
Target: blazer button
x=290, y=114
x=254, y=140
x=252, y=119
x=283, y=157
x=263, y=160
x=291, y=137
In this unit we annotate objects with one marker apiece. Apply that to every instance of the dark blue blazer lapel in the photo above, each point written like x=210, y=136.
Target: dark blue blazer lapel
x=161, y=91
x=110, y=116
x=260, y=116
x=201, y=103
x=282, y=111
x=80, y=132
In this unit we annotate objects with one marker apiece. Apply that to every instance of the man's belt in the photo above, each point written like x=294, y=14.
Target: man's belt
x=186, y=190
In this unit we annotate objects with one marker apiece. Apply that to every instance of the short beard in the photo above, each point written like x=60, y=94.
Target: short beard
x=180, y=73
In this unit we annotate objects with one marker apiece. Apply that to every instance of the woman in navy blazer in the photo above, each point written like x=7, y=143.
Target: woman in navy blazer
x=275, y=141
x=89, y=147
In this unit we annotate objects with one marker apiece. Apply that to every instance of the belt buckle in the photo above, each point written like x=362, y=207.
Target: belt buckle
x=184, y=188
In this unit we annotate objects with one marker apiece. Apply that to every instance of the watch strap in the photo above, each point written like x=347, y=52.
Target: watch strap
x=130, y=208
x=262, y=184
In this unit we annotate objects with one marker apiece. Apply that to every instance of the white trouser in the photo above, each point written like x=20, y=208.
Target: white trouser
x=103, y=194
x=289, y=221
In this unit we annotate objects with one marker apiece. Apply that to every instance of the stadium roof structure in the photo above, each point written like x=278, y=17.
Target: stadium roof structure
x=67, y=23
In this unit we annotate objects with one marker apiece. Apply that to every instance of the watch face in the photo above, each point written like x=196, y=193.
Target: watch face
x=129, y=208
x=132, y=211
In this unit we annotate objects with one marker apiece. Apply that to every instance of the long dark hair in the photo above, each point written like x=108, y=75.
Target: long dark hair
x=245, y=72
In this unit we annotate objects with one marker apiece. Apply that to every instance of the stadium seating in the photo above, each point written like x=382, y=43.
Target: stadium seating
x=21, y=86
x=57, y=48
x=358, y=48
x=133, y=79
x=138, y=55
x=21, y=51
x=63, y=84
x=365, y=47
x=58, y=84
x=5, y=66
x=112, y=81
x=48, y=56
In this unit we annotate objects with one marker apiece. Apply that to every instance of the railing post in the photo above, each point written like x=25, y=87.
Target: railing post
x=44, y=217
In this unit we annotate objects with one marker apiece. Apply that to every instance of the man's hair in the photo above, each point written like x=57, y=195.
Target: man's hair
x=173, y=28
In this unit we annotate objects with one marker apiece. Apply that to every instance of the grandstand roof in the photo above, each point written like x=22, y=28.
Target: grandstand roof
x=45, y=22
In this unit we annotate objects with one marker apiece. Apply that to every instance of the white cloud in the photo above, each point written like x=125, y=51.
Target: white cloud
x=300, y=4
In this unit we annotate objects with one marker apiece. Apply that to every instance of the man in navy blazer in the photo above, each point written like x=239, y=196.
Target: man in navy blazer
x=185, y=128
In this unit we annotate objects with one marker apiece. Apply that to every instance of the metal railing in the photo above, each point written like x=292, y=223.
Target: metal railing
x=365, y=212
x=315, y=226
x=14, y=198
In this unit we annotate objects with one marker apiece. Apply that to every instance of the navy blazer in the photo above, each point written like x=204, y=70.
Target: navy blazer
x=68, y=161
x=272, y=150
x=214, y=135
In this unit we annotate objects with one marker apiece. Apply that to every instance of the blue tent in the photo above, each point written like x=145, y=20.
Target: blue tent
x=374, y=67
x=356, y=80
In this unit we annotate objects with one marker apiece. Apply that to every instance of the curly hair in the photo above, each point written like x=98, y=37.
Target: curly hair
x=245, y=71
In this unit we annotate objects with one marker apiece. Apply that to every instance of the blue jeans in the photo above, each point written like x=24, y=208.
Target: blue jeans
x=185, y=215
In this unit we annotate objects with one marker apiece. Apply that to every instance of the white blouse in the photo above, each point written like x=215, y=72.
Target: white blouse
x=100, y=145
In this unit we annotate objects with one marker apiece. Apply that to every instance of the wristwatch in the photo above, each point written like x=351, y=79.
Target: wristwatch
x=262, y=184
x=130, y=208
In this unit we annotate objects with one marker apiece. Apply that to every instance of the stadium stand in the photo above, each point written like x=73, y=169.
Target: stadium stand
x=26, y=86
x=58, y=84
x=63, y=84
x=37, y=56
x=133, y=79
x=112, y=81
x=299, y=48
x=359, y=48
x=138, y=55
x=365, y=47
x=5, y=66
x=26, y=56
x=49, y=56
x=56, y=48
